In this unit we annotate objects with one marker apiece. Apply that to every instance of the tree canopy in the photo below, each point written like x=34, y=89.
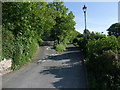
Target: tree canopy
x=114, y=29
x=27, y=23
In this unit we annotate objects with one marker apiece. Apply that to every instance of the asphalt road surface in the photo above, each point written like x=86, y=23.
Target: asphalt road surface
x=50, y=70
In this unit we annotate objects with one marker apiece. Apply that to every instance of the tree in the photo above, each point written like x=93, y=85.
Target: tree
x=114, y=29
x=61, y=13
x=64, y=23
x=25, y=24
x=86, y=33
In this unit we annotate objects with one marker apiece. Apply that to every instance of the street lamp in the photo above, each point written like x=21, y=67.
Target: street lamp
x=84, y=10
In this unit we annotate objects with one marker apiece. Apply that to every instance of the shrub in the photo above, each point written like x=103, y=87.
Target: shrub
x=20, y=49
x=96, y=36
x=24, y=52
x=102, y=63
x=7, y=44
x=104, y=71
x=40, y=41
x=102, y=60
x=60, y=47
x=97, y=47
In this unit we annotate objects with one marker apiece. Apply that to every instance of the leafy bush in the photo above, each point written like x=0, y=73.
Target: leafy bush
x=7, y=44
x=96, y=36
x=102, y=59
x=97, y=47
x=24, y=52
x=60, y=47
x=102, y=63
x=20, y=49
x=40, y=41
x=103, y=71
x=82, y=41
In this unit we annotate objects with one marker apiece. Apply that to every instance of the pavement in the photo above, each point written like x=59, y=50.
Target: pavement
x=50, y=69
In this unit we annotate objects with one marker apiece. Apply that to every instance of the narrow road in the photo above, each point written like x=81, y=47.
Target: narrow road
x=50, y=70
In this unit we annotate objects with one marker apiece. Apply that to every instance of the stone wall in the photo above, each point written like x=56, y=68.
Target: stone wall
x=5, y=66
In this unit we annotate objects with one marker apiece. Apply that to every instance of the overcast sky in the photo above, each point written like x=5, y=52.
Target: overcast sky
x=100, y=15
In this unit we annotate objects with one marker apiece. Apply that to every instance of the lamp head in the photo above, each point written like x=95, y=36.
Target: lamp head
x=84, y=8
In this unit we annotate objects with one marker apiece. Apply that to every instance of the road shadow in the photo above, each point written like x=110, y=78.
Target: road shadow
x=71, y=73
x=72, y=56
x=71, y=48
x=47, y=43
x=69, y=76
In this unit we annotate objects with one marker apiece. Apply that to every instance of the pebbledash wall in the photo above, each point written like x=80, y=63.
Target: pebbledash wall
x=119, y=11
x=4, y=68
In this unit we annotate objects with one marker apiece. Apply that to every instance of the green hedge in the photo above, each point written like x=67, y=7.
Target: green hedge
x=24, y=52
x=99, y=46
x=7, y=44
x=100, y=58
x=20, y=49
x=102, y=64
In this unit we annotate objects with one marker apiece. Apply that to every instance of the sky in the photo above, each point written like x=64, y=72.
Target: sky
x=100, y=15
x=119, y=12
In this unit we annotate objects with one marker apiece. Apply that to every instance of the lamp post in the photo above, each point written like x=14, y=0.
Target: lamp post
x=84, y=10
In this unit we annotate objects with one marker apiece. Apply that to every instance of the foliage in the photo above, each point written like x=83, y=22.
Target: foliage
x=7, y=44
x=96, y=36
x=101, y=64
x=64, y=26
x=101, y=54
x=20, y=31
x=23, y=53
x=82, y=40
x=97, y=47
x=60, y=47
x=86, y=33
x=26, y=24
x=114, y=29
x=105, y=69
